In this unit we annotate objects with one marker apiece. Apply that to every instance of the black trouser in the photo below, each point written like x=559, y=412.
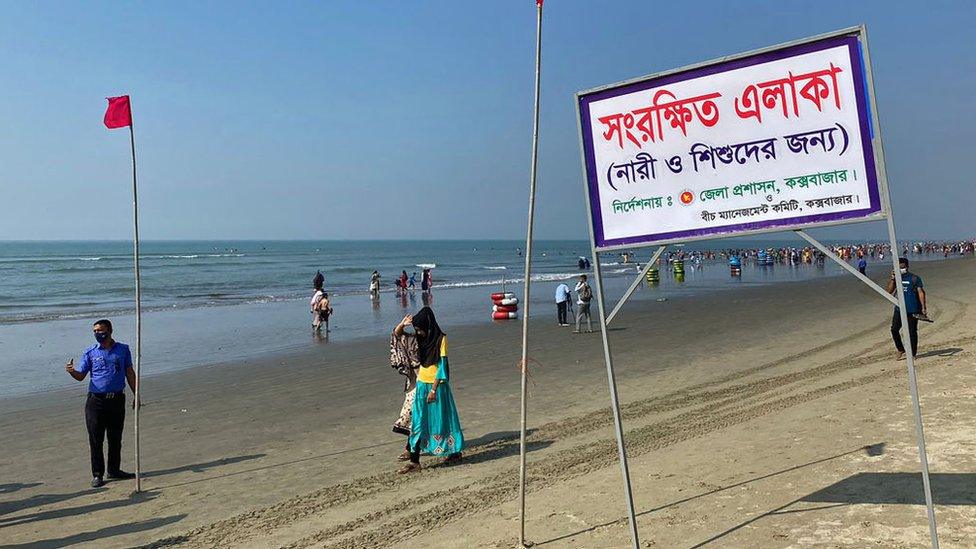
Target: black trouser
x=561, y=312
x=105, y=413
x=414, y=452
x=912, y=332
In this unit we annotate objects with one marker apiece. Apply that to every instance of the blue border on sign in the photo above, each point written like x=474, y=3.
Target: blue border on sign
x=864, y=118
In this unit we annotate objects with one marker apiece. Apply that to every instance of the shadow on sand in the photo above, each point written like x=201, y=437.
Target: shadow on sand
x=100, y=534
x=202, y=467
x=79, y=510
x=871, y=450
x=43, y=499
x=16, y=486
x=948, y=351
x=899, y=488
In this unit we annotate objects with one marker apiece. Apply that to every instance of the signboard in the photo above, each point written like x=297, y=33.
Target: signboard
x=768, y=141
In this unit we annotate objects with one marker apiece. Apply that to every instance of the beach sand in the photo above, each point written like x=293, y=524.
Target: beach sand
x=766, y=417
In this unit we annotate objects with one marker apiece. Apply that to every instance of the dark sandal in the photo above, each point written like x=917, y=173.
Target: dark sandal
x=405, y=456
x=453, y=459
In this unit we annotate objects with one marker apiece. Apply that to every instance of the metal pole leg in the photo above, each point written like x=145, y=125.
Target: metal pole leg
x=615, y=402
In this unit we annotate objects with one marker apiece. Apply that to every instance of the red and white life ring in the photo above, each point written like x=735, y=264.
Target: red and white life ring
x=502, y=295
x=503, y=316
x=506, y=301
x=504, y=308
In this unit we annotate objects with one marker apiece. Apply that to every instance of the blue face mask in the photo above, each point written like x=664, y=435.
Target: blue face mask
x=101, y=337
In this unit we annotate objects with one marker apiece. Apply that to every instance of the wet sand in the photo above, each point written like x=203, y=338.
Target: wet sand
x=746, y=416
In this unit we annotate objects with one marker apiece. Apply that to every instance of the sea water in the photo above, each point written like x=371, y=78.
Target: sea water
x=206, y=302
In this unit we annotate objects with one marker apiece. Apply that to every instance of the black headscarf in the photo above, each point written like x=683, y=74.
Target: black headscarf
x=430, y=343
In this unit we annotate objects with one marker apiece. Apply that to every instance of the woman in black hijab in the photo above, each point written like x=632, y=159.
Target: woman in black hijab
x=434, y=424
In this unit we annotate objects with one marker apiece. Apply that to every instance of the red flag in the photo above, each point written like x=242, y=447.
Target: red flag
x=539, y=2
x=118, y=114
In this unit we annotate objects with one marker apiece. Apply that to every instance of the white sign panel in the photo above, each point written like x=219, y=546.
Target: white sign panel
x=767, y=142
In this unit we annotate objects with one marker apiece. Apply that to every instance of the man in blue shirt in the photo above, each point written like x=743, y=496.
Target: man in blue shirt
x=562, y=301
x=109, y=365
x=914, y=305
x=862, y=264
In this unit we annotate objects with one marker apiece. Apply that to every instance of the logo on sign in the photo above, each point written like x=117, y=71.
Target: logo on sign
x=687, y=197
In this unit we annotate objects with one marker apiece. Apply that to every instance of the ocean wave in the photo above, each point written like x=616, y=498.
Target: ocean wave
x=53, y=259
x=194, y=256
x=497, y=268
x=426, y=265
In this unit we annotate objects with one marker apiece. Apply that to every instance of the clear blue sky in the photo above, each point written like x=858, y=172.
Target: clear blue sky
x=392, y=119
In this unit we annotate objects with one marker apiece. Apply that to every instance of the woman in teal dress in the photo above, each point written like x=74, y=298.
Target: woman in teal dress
x=435, y=427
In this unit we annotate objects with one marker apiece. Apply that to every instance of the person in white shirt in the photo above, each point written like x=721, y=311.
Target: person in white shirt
x=584, y=295
x=562, y=301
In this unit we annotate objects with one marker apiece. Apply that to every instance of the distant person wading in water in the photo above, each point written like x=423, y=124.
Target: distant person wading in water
x=434, y=423
x=323, y=311
x=374, y=284
x=313, y=304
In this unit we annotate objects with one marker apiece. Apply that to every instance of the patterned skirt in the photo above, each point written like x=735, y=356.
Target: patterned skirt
x=435, y=426
x=402, y=423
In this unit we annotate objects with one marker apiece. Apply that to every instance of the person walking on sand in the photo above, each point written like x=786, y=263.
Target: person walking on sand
x=403, y=280
x=108, y=364
x=914, y=305
x=862, y=264
x=412, y=283
x=434, y=424
x=584, y=295
x=562, y=300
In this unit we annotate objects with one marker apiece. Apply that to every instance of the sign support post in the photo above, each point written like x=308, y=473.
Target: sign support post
x=615, y=400
x=910, y=355
x=608, y=359
x=781, y=138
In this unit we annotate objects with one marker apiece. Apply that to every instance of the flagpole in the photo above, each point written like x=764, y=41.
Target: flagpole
x=135, y=249
x=528, y=271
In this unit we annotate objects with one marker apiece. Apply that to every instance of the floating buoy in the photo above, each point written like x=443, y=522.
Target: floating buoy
x=679, y=266
x=506, y=301
x=502, y=295
x=653, y=276
x=504, y=308
x=503, y=316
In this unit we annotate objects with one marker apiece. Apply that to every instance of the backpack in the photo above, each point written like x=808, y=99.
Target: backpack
x=585, y=293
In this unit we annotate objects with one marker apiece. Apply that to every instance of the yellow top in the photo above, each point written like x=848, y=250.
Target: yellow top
x=431, y=372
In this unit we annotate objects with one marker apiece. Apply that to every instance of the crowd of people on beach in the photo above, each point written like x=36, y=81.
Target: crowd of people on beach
x=403, y=283
x=791, y=255
x=320, y=305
